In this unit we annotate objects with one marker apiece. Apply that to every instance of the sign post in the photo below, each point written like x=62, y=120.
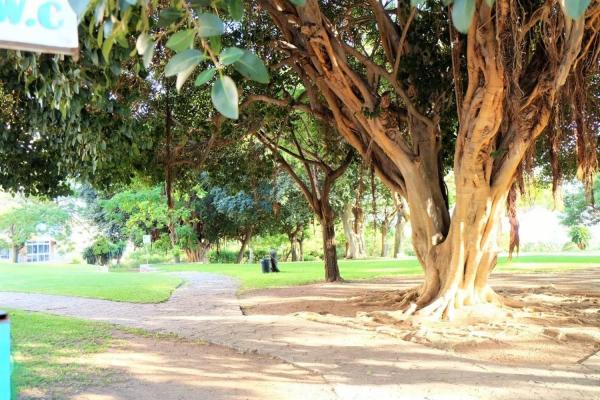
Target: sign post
x=45, y=26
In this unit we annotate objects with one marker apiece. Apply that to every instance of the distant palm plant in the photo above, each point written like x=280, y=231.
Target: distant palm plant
x=580, y=235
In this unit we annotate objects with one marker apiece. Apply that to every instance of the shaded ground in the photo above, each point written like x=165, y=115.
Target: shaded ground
x=559, y=323
x=151, y=369
x=350, y=363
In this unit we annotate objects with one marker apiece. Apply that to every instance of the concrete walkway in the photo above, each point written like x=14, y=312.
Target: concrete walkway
x=356, y=364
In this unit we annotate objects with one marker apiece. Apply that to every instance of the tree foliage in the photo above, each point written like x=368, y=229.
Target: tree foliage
x=34, y=217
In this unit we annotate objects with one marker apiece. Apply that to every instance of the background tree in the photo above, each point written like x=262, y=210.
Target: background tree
x=577, y=211
x=30, y=218
x=309, y=152
x=292, y=214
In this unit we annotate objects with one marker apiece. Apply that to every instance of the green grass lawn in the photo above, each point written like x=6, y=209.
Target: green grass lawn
x=84, y=281
x=301, y=273
x=46, y=350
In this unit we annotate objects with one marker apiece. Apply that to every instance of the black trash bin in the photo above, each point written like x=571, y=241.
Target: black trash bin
x=265, y=263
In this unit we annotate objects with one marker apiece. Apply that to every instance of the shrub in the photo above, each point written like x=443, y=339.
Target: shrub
x=580, y=235
x=102, y=251
x=222, y=257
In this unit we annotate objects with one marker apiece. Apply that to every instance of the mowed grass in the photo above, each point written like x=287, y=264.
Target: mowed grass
x=84, y=281
x=47, y=352
x=301, y=273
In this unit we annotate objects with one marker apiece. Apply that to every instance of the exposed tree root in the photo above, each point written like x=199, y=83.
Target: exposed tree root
x=442, y=307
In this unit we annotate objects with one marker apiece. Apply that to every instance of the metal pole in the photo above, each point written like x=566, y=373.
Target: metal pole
x=5, y=369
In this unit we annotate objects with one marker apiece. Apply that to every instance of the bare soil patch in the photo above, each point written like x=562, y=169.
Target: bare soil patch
x=558, y=325
x=155, y=368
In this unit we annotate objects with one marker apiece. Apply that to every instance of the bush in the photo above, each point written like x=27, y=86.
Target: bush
x=222, y=257
x=153, y=256
x=102, y=251
x=580, y=235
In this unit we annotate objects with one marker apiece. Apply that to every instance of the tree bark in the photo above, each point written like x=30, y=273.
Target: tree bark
x=398, y=235
x=15, y=255
x=301, y=247
x=199, y=254
x=294, y=246
x=401, y=218
x=354, y=242
x=332, y=271
x=384, y=232
x=245, y=241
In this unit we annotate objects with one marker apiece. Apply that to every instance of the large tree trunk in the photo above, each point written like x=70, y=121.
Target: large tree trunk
x=457, y=270
x=332, y=271
x=354, y=241
x=199, y=254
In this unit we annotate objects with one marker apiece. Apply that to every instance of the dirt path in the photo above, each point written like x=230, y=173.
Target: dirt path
x=349, y=363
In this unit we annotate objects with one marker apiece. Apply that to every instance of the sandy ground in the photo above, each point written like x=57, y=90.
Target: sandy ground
x=333, y=341
x=145, y=368
x=558, y=325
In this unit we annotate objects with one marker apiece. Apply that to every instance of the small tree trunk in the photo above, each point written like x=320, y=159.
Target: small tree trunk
x=351, y=250
x=245, y=242
x=332, y=271
x=15, y=255
x=301, y=247
x=398, y=233
x=293, y=246
x=384, y=231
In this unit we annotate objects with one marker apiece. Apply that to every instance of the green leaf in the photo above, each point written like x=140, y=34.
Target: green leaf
x=106, y=48
x=79, y=7
x=210, y=25
x=230, y=55
x=183, y=76
x=298, y=3
x=252, y=67
x=205, y=76
x=415, y=3
x=183, y=61
x=169, y=16
x=99, y=11
x=181, y=40
x=236, y=9
x=143, y=43
x=197, y=4
x=148, y=55
x=224, y=96
x=576, y=8
x=462, y=14
x=490, y=3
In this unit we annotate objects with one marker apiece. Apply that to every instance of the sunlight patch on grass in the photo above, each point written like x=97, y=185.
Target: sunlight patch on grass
x=301, y=273
x=46, y=350
x=84, y=281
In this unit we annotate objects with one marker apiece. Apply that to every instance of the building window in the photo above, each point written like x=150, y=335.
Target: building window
x=4, y=254
x=38, y=251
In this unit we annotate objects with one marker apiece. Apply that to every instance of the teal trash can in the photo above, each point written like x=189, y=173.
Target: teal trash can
x=5, y=368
